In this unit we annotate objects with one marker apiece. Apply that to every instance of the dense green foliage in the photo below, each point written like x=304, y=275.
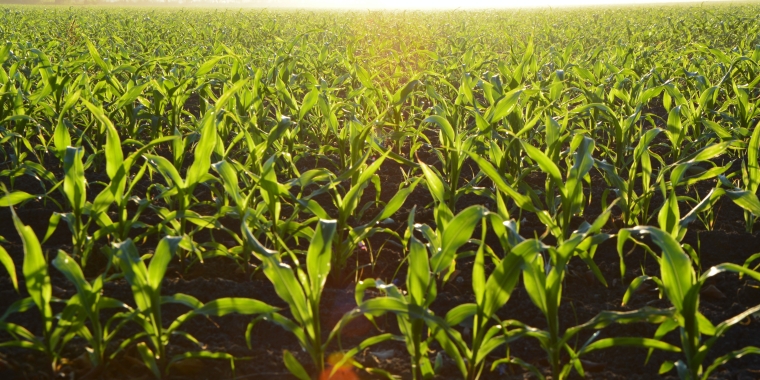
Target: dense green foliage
x=152, y=128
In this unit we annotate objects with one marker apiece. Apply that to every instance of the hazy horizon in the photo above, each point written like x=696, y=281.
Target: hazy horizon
x=374, y=4
x=457, y=4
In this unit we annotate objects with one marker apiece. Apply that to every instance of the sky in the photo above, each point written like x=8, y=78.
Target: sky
x=454, y=4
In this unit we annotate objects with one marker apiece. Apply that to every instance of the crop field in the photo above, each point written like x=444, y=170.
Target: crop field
x=254, y=194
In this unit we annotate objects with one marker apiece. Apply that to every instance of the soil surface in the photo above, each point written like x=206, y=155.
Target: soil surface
x=583, y=298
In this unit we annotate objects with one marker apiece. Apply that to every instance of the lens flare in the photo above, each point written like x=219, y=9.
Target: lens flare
x=344, y=372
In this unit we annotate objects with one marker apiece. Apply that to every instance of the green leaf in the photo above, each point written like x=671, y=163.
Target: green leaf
x=200, y=355
x=287, y=287
x=418, y=276
x=400, y=96
x=397, y=201
x=629, y=342
x=502, y=281
x=4, y=52
x=460, y=313
x=730, y=267
x=224, y=306
x=456, y=234
x=674, y=127
x=135, y=273
x=14, y=198
x=737, y=354
x=165, y=250
x=295, y=368
x=130, y=96
x=35, y=271
x=148, y=359
x=166, y=169
x=544, y=162
x=61, y=137
x=73, y=272
x=319, y=255
x=182, y=299
x=434, y=183
x=534, y=280
x=666, y=367
x=112, y=149
x=722, y=133
x=746, y=200
x=707, y=153
x=668, y=216
x=446, y=128
x=230, y=181
x=753, y=162
x=347, y=356
x=222, y=101
x=504, y=106
x=207, y=66
x=478, y=270
x=96, y=56
x=522, y=201
x=203, y=151
x=308, y=103
x=279, y=130
x=7, y=262
x=635, y=284
x=676, y=271
x=74, y=182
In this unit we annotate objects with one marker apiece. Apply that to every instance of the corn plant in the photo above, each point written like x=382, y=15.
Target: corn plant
x=182, y=188
x=91, y=302
x=750, y=180
x=118, y=191
x=682, y=285
x=426, y=267
x=635, y=206
x=301, y=290
x=570, y=189
x=504, y=186
x=57, y=329
x=490, y=295
x=543, y=282
x=145, y=282
x=349, y=209
x=451, y=155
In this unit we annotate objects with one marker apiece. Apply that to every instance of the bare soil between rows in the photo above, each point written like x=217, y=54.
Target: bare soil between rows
x=583, y=298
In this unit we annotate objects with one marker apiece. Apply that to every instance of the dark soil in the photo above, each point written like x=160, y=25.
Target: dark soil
x=583, y=298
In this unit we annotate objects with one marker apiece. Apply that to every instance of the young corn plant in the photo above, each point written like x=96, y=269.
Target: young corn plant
x=452, y=156
x=681, y=284
x=635, y=206
x=750, y=180
x=118, y=192
x=350, y=209
x=90, y=302
x=145, y=282
x=428, y=264
x=503, y=190
x=57, y=329
x=281, y=232
x=491, y=294
x=301, y=290
x=181, y=189
x=544, y=281
x=557, y=217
